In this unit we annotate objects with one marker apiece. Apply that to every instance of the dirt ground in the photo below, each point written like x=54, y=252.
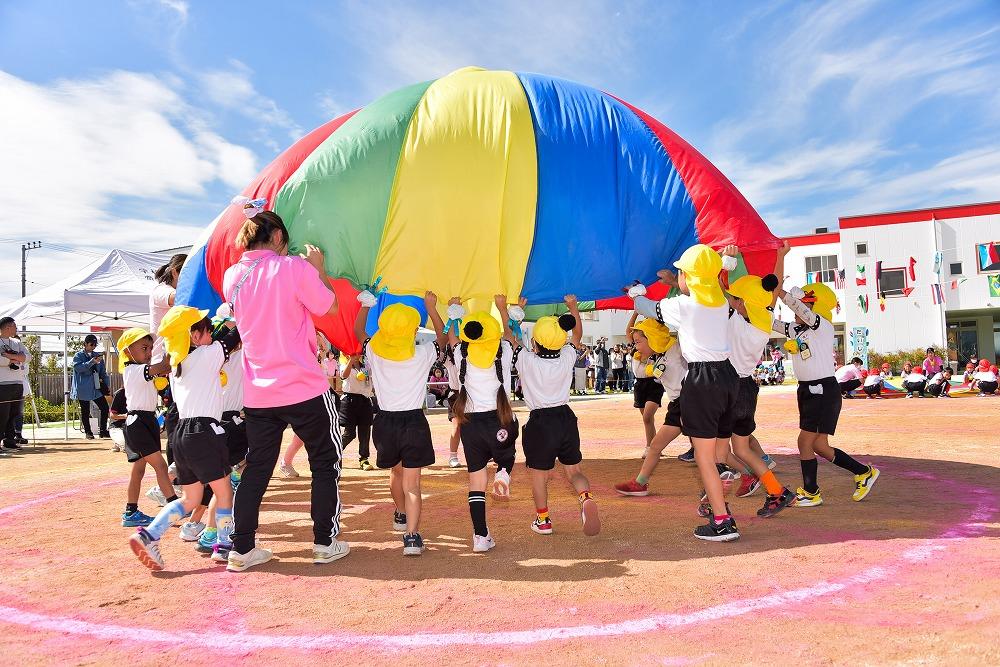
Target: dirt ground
x=910, y=575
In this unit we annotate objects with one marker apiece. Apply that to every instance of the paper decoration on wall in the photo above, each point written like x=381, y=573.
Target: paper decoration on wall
x=907, y=291
x=994, y=282
x=912, y=269
x=937, y=294
x=863, y=303
x=860, y=278
x=859, y=344
x=956, y=283
x=938, y=261
x=881, y=301
x=878, y=272
x=838, y=278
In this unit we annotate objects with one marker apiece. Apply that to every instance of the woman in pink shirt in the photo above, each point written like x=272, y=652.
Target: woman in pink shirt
x=273, y=298
x=932, y=363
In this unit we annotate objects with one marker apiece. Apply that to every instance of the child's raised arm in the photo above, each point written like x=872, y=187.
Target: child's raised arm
x=779, y=268
x=574, y=310
x=367, y=300
x=501, y=303
x=430, y=301
x=453, y=338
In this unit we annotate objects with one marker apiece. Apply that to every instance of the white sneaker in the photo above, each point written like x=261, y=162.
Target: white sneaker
x=482, y=544
x=157, y=496
x=287, y=471
x=172, y=470
x=191, y=531
x=240, y=562
x=501, y=485
x=328, y=554
x=453, y=462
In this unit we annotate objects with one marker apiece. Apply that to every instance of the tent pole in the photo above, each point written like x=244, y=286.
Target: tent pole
x=65, y=371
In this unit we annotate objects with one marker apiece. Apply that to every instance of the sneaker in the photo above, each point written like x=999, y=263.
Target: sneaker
x=911, y=395
x=238, y=562
x=328, y=554
x=501, y=485
x=115, y=447
x=704, y=509
x=718, y=532
x=398, y=521
x=146, y=549
x=207, y=540
x=632, y=488
x=542, y=527
x=805, y=499
x=89, y=436
x=191, y=531
x=157, y=496
x=103, y=435
x=220, y=552
x=590, y=517
x=363, y=464
x=863, y=483
x=749, y=484
x=453, y=461
x=413, y=544
x=23, y=441
x=287, y=471
x=172, y=470
x=771, y=463
x=728, y=476
x=135, y=519
x=774, y=504
x=687, y=457
x=482, y=544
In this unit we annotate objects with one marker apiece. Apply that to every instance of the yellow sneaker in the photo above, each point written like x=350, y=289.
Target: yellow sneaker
x=805, y=499
x=864, y=483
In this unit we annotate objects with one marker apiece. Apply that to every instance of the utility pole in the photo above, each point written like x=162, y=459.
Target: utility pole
x=25, y=247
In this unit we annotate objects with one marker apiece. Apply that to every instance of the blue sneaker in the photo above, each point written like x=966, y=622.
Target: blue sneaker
x=206, y=543
x=687, y=457
x=135, y=519
x=771, y=463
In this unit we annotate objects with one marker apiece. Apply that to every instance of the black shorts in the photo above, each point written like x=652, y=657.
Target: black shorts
x=355, y=410
x=819, y=405
x=402, y=437
x=873, y=389
x=918, y=387
x=935, y=389
x=550, y=434
x=987, y=387
x=484, y=438
x=708, y=397
x=673, y=413
x=746, y=407
x=236, y=436
x=200, y=451
x=647, y=390
x=142, y=435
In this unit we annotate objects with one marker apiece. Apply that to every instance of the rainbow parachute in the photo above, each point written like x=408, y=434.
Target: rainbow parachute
x=483, y=182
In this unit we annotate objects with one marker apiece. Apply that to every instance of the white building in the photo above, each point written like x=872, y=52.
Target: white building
x=967, y=237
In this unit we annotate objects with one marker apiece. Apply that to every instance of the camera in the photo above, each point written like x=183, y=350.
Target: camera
x=12, y=366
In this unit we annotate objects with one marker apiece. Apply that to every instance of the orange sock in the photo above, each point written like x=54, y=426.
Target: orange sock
x=771, y=483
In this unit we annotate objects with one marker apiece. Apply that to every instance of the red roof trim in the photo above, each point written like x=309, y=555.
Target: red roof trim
x=920, y=215
x=813, y=239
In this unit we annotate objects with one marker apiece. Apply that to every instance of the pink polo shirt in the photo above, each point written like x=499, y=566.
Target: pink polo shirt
x=272, y=312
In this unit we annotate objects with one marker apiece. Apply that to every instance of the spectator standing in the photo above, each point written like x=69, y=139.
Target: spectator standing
x=90, y=385
x=15, y=354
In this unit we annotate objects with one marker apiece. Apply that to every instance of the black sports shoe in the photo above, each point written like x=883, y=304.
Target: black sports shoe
x=13, y=446
x=687, y=457
x=718, y=532
x=774, y=504
x=398, y=521
x=413, y=544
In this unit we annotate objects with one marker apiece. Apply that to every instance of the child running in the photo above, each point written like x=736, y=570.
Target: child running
x=356, y=412
x=201, y=454
x=489, y=429
x=399, y=369
x=647, y=389
x=142, y=432
x=811, y=339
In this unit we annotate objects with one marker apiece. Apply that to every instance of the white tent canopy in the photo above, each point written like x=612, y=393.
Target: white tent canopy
x=110, y=292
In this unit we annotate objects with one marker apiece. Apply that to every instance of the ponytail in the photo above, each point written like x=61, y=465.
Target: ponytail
x=176, y=262
x=505, y=412
x=458, y=408
x=257, y=231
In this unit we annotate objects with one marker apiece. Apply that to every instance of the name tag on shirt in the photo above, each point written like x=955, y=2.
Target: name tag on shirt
x=804, y=350
x=218, y=429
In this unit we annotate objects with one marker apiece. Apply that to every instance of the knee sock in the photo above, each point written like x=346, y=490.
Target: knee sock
x=477, y=508
x=224, y=526
x=771, y=483
x=848, y=462
x=810, y=470
x=168, y=516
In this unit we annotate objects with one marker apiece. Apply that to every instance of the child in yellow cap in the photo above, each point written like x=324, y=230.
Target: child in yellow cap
x=200, y=450
x=700, y=315
x=551, y=432
x=819, y=396
x=398, y=366
x=651, y=340
x=489, y=430
x=142, y=431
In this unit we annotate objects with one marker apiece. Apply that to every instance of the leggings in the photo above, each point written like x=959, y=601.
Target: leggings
x=618, y=379
x=102, y=405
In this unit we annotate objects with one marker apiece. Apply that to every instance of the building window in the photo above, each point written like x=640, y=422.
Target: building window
x=861, y=249
x=824, y=265
x=892, y=282
x=956, y=268
x=988, y=255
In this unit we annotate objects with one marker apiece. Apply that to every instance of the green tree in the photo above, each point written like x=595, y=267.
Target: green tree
x=34, y=344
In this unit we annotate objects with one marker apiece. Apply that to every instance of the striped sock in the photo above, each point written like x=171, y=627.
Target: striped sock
x=543, y=514
x=477, y=509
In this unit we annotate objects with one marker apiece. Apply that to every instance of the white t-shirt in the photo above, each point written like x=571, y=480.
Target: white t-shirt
x=915, y=377
x=545, y=382
x=873, y=380
x=140, y=394
x=482, y=383
x=7, y=375
x=985, y=376
x=820, y=363
x=617, y=360
x=232, y=393
x=198, y=390
x=159, y=304
x=746, y=345
x=401, y=385
x=701, y=330
x=674, y=374
x=351, y=383
x=937, y=379
x=847, y=373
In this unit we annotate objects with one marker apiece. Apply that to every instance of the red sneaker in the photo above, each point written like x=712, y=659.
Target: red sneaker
x=632, y=488
x=748, y=486
x=542, y=527
x=590, y=518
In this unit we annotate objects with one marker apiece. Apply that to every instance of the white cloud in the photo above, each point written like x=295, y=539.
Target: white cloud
x=329, y=106
x=180, y=7
x=71, y=148
x=233, y=89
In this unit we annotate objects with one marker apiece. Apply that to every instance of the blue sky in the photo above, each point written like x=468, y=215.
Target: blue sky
x=131, y=124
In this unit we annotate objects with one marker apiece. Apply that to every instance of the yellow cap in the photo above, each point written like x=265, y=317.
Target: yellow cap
x=483, y=348
x=128, y=338
x=175, y=329
x=756, y=299
x=548, y=333
x=701, y=266
x=396, y=337
x=821, y=299
x=658, y=335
